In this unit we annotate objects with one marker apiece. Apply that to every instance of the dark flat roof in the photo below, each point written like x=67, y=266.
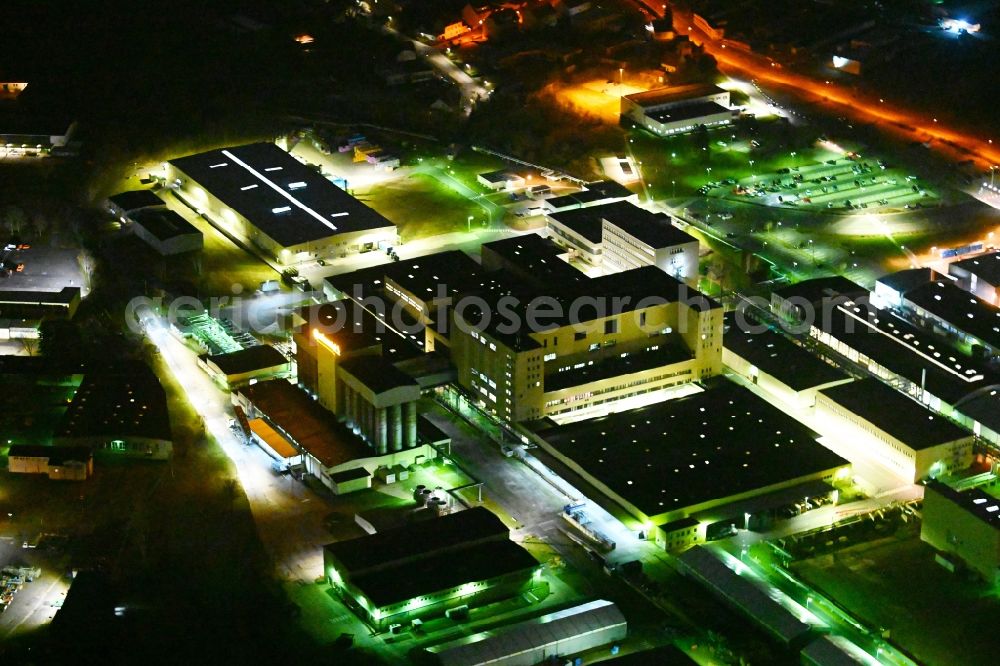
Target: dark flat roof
x=976, y=501
x=539, y=258
x=350, y=475
x=985, y=267
x=653, y=229
x=674, y=94
x=894, y=413
x=443, y=571
x=313, y=428
x=910, y=278
x=675, y=114
x=909, y=352
x=818, y=289
x=694, y=449
x=57, y=455
x=258, y=357
x=354, y=328
x=26, y=297
x=585, y=221
x=961, y=309
x=418, y=539
x=615, y=366
x=420, y=276
x=777, y=356
x=124, y=401
x=136, y=199
x=376, y=373
x=163, y=223
x=259, y=178
x=596, y=191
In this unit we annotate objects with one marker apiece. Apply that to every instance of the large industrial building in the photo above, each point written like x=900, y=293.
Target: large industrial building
x=918, y=363
x=678, y=109
x=120, y=410
x=261, y=193
x=771, y=361
x=63, y=463
x=979, y=275
x=245, y=366
x=621, y=236
x=540, y=639
x=712, y=456
x=426, y=567
x=22, y=312
x=617, y=336
x=965, y=525
x=948, y=310
x=345, y=457
x=900, y=432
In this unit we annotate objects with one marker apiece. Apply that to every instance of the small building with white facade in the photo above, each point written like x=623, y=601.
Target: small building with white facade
x=678, y=109
x=501, y=181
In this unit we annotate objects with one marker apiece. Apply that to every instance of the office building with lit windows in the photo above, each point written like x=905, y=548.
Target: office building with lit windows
x=260, y=193
x=620, y=236
x=427, y=567
x=612, y=337
x=660, y=335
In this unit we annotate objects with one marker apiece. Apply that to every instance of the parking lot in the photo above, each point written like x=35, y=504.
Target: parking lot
x=43, y=269
x=838, y=184
x=32, y=586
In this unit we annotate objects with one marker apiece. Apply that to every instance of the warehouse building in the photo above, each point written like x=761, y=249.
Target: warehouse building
x=62, y=463
x=696, y=457
x=427, y=567
x=621, y=236
x=809, y=302
x=238, y=368
x=900, y=432
x=678, y=109
x=771, y=361
x=954, y=312
x=917, y=363
x=261, y=193
x=531, y=259
x=538, y=640
x=165, y=231
x=964, y=525
x=836, y=651
x=331, y=451
x=22, y=311
x=597, y=193
x=979, y=275
x=892, y=288
x=121, y=411
x=122, y=204
x=787, y=622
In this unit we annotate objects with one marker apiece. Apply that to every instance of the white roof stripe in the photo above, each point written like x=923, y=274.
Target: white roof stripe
x=264, y=179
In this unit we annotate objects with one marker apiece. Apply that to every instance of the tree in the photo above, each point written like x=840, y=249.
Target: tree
x=14, y=219
x=60, y=340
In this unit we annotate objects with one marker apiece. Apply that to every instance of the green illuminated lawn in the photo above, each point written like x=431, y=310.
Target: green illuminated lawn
x=421, y=206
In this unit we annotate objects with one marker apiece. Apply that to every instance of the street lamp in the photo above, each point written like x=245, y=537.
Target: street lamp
x=673, y=186
x=469, y=224
x=993, y=173
x=621, y=74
